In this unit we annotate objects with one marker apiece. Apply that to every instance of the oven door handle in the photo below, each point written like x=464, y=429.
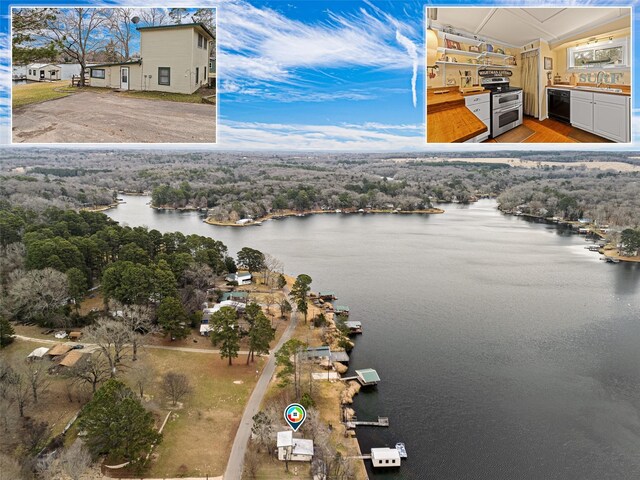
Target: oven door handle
x=508, y=109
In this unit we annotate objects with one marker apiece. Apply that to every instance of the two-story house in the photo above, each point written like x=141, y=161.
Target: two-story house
x=173, y=58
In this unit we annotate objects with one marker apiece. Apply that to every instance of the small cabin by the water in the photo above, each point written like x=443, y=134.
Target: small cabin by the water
x=385, y=457
x=341, y=310
x=43, y=72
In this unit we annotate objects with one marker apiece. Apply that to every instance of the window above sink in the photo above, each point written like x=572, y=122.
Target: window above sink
x=599, y=55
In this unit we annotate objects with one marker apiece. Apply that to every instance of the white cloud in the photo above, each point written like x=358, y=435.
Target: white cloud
x=270, y=136
x=412, y=51
x=263, y=44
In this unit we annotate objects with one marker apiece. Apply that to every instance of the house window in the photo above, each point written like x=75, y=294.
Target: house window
x=205, y=44
x=197, y=74
x=612, y=54
x=164, y=74
x=97, y=73
x=200, y=40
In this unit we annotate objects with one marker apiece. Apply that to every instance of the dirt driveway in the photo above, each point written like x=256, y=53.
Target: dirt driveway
x=90, y=117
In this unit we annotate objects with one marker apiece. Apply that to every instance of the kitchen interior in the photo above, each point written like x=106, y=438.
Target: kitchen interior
x=528, y=75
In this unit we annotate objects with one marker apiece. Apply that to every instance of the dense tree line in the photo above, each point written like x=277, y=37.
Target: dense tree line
x=51, y=260
x=232, y=186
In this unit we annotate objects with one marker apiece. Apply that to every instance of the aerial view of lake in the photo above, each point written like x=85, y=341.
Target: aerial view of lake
x=506, y=349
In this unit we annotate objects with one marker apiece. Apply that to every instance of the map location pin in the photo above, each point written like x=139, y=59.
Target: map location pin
x=295, y=415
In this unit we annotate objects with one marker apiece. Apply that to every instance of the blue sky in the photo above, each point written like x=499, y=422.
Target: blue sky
x=335, y=75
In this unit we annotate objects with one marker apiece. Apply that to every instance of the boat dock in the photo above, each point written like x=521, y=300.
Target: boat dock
x=366, y=376
x=353, y=423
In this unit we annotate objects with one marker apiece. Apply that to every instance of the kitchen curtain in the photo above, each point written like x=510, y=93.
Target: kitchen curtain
x=530, y=102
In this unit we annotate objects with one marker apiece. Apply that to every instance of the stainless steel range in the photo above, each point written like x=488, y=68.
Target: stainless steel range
x=506, y=101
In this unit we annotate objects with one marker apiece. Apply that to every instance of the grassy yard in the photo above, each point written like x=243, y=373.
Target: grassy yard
x=198, y=437
x=172, y=97
x=29, y=93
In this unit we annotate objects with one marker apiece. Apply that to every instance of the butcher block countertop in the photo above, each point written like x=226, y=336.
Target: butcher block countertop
x=626, y=89
x=448, y=119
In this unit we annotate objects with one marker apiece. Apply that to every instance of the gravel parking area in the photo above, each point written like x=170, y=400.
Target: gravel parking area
x=90, y=117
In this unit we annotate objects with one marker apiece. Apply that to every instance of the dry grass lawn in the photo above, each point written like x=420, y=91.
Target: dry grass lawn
x=198, y=438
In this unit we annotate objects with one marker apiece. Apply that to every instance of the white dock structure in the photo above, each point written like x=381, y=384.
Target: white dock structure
x=385, y=457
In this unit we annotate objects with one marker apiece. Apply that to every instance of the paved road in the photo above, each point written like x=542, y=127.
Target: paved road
x=239, y=449
x=90, y=117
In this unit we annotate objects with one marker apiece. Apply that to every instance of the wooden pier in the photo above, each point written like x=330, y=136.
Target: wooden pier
x=353, y=423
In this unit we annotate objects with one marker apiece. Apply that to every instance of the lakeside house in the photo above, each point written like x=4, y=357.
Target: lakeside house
x=173, y=59
x=44, y=72
x=235, y=296
x=385, y=457
x=294, y=449
x=240, y=278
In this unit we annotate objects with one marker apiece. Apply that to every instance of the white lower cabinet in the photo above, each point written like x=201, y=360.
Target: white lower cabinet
x=604, y=114
x=582, y=110
x=481, y=108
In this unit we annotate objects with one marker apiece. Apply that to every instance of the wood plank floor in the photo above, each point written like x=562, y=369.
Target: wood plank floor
x=551, y=131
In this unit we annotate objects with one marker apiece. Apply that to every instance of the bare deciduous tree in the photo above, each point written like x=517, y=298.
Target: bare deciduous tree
x=121, y=28
x=92, y=369
x=73, y=31
x=37, y=293
x=35, y=373
x=20, y=391
x=154, y=16
x=270, y=300
x=175, y=386
x=113, y=339
x=141, y=375
x=273, y=268
x=75, y=460
x=138, y=318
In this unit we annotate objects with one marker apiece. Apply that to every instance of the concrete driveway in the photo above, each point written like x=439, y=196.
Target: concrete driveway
x=90, y=117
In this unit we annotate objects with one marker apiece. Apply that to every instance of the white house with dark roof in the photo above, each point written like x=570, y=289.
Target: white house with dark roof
x=44, y=72
x=173, y=59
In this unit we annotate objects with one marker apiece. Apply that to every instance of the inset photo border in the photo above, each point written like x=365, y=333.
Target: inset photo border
x=114, y=75
x=545, y=75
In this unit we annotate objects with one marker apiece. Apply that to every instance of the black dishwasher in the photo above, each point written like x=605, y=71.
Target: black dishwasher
x=559, y=104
